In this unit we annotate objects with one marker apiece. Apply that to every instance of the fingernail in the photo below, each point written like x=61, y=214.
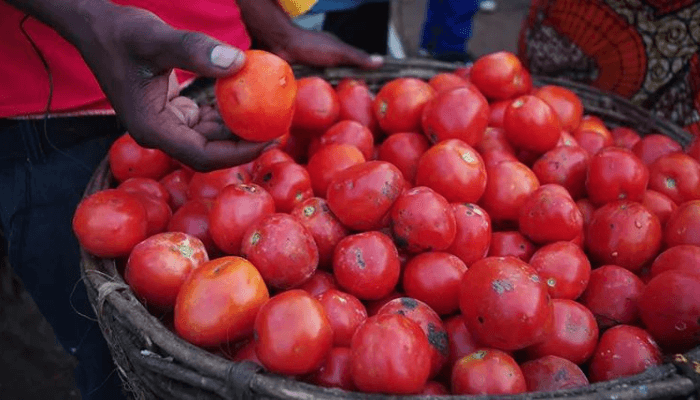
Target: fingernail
x=376, y=59
x=225, y=56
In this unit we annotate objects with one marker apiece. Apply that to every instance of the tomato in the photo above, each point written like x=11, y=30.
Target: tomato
x=549, y=214
x=390, y=354
x=612, y=296
x=288, y=182
x=345, y=313
x=434, y=278
x=494, y=139
x=355, y=101
x=320, y=282
x=493, y=157
x=505, y=304
x=463, y=72
x=176, y=184
x=677, y=175
x=335, y=371
x=508, y=185
x=128, y=159
x=683, y=226
x=430, y=323
x=511, y=243
x=461, y=113
x=292, y=333
x=670, y=309
x=550, y=373
x=361, y=195
x=623, y=233
x=325, y=227
x=498, y=111
x=330, y=159
x=433, y=388
x=367, y=265
x=218, y=302
x=404, y=149
x=565, y=103
x=316, y=107
x=473, y=232
x=446, y=81
x=693, y=149
x=659, y=204
x=268, y=158
x=158, y=212
x=592, y=123
x=209, y=184
x=623, y=350
x=461, y=342
x=531, y=124
x=281, y=249
x=422, y=220
x=453, y=169
x=625, y=137
x=145, y=186
x=347, y=132
x=567, y=139
x=566, y=166
x=615, y=173
x=399, y=104
x=498, y=75
x=158, y=266
x=683, y=257
x=257, y=102
x=653, y=146
x=564, y=267
x=247, y=353
x=593, y=141
x=587, y=208
x=574, y=335
x=193, y=218
x=234, y=210
x=110, y=223
x=487, y=371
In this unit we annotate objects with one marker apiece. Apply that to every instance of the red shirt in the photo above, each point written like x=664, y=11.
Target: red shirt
x=24, y=83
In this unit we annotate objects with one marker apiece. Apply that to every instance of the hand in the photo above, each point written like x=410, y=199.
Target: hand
x=132, y=54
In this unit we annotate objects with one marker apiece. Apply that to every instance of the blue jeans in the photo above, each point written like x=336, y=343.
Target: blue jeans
x=41, y=186
x=448, y=26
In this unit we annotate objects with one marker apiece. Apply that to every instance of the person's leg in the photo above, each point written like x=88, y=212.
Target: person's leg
x=365, y=27
x=447, y=28
x=40, y=193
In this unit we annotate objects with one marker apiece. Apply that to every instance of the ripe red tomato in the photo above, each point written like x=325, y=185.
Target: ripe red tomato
x=505, y=304
x=159, y=265
x=653, y=146
x=677, y=175
x=565, y=103
x=247, y=353
x=404, y=150
x=461, y=113
x=434, y=278
x=461, y=342
x=390, y=354
x=453, y=169
x=623, y=233
x=623, y=350
x=367, y=265
x=345, y=313
x=176, y=184
x=422, y=220
x=574, y=333
x=281, y=249
x=430, y=323
x=593, y=141
x=292, y=333
x=325, y=227
x=693, y=149
x=508, y=185
x=564, y=267
x=288, y=183
x=316, y=107
x=361, y=195
x=193, y=218
x=670, y=309
x=347, y=132
x=511, y=243
x=355, y=101
x=335, y=371
x=110, y=223
x=498, y=110
x=399, y=104
x=434, y=388
x=330, y=159
x=319, y=282
x=683, y=257
x=234, y=210
x=206, y=314
x=267, y=158
x=489, y=372
x=127, y=159
x=473, y=232
x=209, y=184
x=498, y=75
x=615, y=173
x=566, y=166
x=158, y=212
x=445, y=81
x=587, y=208
x=625, y=137
x=145, y=186
x=612, y=296
x=659, y=204
x=549, y=214
x=494, y=139
x=683, y=226
x=531, y=124
x=550, y=373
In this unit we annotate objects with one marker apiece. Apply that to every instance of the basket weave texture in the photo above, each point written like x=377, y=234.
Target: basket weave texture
x=154, y=363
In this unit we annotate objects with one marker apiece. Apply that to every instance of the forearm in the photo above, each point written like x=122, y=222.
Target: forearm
x=267, y=22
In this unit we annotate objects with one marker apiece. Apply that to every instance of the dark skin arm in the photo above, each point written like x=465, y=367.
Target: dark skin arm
x=132, y=53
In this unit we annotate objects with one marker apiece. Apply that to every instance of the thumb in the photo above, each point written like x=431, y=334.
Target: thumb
x=200, y=54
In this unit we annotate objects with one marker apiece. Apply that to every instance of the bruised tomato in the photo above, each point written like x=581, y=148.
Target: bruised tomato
x=550, y=373
x=566, y=166
x=325, y=227
x=399, y=104
x=473, y=232
x=549, y=215
x=316, y=107
x=404, y=149
x=461, y=113
x=422, y=220
x=612, y=295
x=288, y=183
x=511, y=243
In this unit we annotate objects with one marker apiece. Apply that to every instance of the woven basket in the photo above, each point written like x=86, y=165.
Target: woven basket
x=153, y=362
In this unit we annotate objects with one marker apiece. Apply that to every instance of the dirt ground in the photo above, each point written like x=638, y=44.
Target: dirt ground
x=34, y=366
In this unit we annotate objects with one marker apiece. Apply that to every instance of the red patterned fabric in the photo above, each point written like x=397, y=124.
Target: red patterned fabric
x=647, y=51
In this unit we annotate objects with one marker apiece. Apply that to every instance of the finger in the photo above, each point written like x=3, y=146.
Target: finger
x=173, y=85
x=185, y=109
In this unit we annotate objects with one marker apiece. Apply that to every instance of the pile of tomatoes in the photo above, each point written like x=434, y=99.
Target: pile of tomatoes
x=471, y=234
